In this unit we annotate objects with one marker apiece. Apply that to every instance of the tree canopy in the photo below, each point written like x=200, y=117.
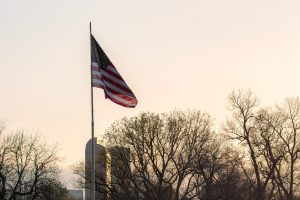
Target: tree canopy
x=182, y=155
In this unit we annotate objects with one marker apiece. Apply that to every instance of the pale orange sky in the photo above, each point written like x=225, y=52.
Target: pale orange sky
x=172, y=53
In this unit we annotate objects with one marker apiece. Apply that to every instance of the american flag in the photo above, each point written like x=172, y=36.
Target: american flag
x=107, y=77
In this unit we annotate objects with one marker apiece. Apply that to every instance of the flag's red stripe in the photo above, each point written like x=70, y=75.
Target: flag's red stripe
x=126, y=89
x=120, y=95
x=97, y=77
x=94, y=68
x=109, y=79
x=97, y=85
x=131, y=100
x=114, y=74
x=117, y=98
x=120, y=103
x=121, y=87
x=113, y=82
x=109, y=72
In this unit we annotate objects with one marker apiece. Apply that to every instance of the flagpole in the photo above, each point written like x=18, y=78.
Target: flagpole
x=92, y=124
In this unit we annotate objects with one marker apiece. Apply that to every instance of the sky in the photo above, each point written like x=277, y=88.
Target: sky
x=173, y=54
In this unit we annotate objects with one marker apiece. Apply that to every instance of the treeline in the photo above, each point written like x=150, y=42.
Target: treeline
x=28, y=167
x=180, y=155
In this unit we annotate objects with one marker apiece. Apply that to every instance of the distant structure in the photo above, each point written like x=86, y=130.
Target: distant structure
x=100, y=170
x=76, y=194
x=111, y=168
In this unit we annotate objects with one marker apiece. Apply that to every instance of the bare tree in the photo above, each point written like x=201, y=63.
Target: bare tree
x=179, y=156
x=162, y=149
x=290, y=111
x=283, y=125
x=270, y=147
x=270, y=137
x=4, y=160
x=26, y=165
x=244, y=127
x=53, y=190
x=218, y=173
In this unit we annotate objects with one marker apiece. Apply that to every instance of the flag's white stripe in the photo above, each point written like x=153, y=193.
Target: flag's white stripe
x=101, y=82
x=103, y=73
x=114, y=70
x=98, y=82
x=95, y=64
x=107, y=84
x=119, y=99
x=97, y=73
